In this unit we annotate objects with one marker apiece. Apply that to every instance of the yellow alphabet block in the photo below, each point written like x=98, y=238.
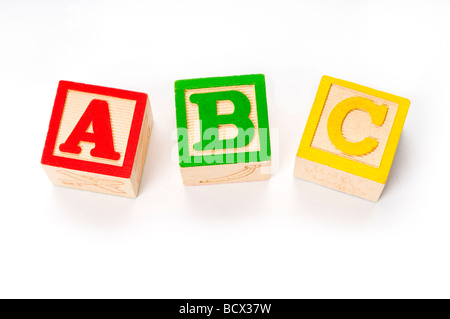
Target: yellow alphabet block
x=350, y=138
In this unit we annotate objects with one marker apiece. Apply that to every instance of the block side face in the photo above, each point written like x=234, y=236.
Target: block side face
x=190, y=124
x=358, y=127
x=226, y=173
x=91, y=182
x=142, y=150
x=125, y=111
x=338, y=180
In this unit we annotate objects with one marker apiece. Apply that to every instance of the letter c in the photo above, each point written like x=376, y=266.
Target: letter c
x=336, y=120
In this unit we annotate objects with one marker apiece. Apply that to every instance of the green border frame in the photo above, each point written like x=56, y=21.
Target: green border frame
x=264, y=154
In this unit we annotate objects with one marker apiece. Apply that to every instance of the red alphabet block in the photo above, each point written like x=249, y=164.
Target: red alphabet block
x=98, y=139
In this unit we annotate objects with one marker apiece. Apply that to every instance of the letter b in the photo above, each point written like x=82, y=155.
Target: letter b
x=210, y=119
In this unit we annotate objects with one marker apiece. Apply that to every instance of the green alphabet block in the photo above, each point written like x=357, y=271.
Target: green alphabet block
x=223, y=121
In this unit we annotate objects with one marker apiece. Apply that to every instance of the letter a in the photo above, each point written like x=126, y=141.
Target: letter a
x=96, y=113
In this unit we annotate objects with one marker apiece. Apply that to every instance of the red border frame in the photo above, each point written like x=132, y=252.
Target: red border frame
x=123, y=171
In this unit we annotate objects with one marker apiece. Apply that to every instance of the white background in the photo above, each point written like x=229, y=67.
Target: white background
x=281, y=238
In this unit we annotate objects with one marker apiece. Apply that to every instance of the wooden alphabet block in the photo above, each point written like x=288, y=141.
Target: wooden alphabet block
x=98, y=139
x=223, y=129
x=350, y=138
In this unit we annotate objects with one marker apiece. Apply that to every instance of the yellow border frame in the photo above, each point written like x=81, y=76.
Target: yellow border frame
x=380, y=174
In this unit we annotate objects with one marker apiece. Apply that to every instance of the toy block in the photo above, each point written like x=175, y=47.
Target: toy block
x=223, y=129
x=350, y=138
x=98, y=139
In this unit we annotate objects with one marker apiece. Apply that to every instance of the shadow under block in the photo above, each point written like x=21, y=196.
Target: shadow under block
x=223, y=129
x=98, y=139
x=350, y=138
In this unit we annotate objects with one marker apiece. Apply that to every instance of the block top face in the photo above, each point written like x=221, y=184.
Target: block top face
x=354, y=129
x=222, y=120
x=94, y=129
